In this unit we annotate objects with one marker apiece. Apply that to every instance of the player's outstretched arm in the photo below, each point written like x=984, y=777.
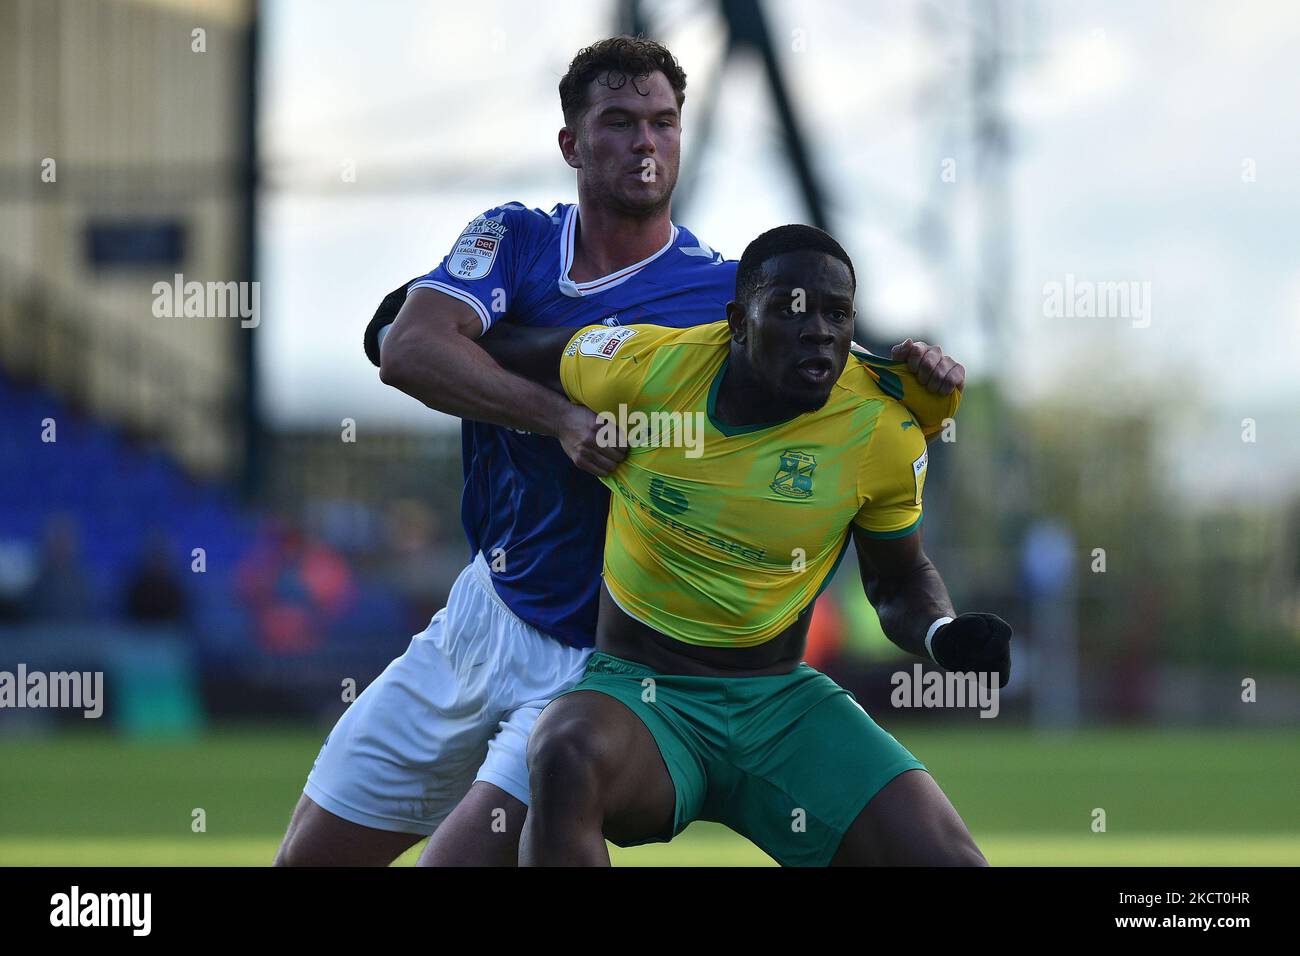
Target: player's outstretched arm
x=431, y=353
x=904, y=587
x=528, y=351
x=909, y=596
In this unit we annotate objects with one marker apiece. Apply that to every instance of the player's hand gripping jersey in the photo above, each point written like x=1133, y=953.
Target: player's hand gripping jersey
x=722, y=535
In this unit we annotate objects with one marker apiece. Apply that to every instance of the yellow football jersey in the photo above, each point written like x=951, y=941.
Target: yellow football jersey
x=721, y=535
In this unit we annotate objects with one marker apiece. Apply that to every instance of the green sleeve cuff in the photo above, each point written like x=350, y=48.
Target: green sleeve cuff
x=898, y=533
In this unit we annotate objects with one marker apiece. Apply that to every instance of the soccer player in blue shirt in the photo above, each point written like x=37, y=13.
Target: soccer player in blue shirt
x=437, y=744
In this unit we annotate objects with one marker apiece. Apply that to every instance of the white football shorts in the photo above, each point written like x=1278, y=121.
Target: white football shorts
x=457, y=707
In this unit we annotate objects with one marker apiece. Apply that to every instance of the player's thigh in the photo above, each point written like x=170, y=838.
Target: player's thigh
x=589, y=751
x=483, y=830
x=317, y=837
x=910, y=822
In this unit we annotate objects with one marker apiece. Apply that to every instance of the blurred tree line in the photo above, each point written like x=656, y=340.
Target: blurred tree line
x=1208, y=585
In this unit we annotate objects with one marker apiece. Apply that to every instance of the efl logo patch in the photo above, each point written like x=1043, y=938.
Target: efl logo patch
x=603, y=343
x=473, y=256
x=918, y=473
x=794, y=478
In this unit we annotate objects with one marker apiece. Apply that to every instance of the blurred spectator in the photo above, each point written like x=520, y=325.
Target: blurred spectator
x=825, y=632
x=420, y=562
x=153, y=592
x=17, y=572
x=294, y=587
x=61, y=591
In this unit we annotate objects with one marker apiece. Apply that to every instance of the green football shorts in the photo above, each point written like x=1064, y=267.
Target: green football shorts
x=787, y=761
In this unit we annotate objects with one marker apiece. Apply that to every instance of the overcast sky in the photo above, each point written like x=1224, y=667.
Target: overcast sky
x=1154, y=143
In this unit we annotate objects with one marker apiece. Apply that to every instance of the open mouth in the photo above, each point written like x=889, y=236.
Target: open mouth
x=815, y=371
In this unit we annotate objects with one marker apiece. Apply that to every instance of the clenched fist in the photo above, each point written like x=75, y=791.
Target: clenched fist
x=974, y=642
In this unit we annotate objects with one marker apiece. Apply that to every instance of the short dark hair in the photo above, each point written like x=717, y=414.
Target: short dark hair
x=791, y=238
x=613, y=62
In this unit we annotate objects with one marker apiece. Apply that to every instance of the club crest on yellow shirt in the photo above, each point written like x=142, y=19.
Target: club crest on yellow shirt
x=794, y=478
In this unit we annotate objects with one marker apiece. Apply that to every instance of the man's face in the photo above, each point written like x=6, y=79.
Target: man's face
x=627, y=146
x=797, y=327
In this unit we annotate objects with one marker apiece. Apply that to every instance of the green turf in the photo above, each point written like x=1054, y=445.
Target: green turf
x=702, y=845
x=1191, y=797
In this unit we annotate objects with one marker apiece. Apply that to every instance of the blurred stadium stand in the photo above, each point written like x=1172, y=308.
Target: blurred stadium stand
x=113, y=495
x=127, y=160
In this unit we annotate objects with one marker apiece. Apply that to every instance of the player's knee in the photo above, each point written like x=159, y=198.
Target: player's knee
x=951, y=845
x=964, y=852
x=302, y=847
x=288, y=853
x=318, y=838
x=955, y=854
x=292, y=852
x=567, y=756
x=948, y=842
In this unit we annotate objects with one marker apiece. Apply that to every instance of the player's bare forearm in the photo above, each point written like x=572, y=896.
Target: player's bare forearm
x=904, y=587
x=909, y=597
x=532, y=352
x=430, y=353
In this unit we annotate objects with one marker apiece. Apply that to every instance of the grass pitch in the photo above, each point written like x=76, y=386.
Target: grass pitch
x=1196, y=798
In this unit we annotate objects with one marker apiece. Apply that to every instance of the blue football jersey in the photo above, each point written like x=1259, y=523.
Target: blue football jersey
x=537, y=518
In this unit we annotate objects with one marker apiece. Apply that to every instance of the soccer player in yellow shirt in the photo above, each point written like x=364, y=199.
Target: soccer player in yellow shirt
x=759, y=447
